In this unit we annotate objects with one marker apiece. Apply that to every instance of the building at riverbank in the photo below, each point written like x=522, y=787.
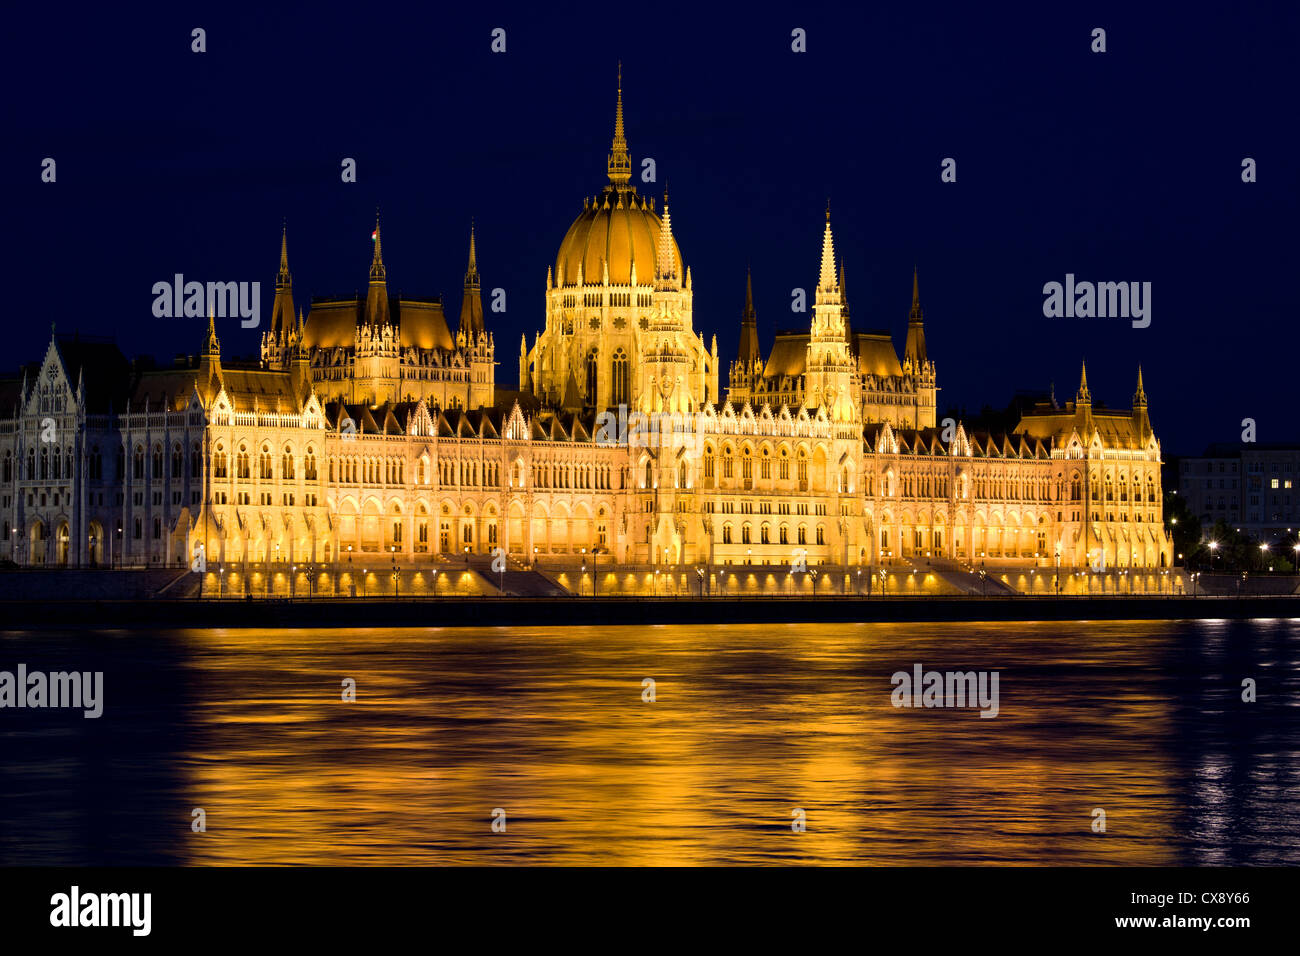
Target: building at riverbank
x=369, y=428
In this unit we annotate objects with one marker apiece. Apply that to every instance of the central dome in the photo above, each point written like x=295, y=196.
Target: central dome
x=618, y=228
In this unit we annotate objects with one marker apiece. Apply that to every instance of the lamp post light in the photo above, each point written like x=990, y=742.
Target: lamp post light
x=363, y=582
x=221, y=582
x=813, y=572
x=700, y=572
x=858, y=586
x=1214, y=553
x=884, y=582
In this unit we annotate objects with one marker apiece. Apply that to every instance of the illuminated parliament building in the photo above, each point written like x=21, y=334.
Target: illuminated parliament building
x=370, y=428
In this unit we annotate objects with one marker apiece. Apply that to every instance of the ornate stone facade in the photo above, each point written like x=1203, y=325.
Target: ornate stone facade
x=368, y=429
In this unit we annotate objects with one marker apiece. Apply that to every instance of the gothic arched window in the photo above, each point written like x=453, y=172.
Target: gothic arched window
x=591, y=377
x=620, y=394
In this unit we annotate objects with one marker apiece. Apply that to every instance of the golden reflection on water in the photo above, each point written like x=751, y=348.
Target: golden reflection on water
x=750, y=722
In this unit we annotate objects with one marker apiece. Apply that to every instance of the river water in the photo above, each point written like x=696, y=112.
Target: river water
x=749, y=725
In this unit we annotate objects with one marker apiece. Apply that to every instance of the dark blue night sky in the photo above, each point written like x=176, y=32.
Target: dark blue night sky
x=1122, y=166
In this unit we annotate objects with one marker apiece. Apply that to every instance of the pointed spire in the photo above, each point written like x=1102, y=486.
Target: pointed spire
x=915, y=352
x=826, y=282
x=283, y=280
x=282, y=308
x=1140, y=398
x=1083, y=396
x=749, y=351
x=665, y=258
x=212, y=346
x=377, y=273
x=377, y=314
x=619, y=165
x=471, y=303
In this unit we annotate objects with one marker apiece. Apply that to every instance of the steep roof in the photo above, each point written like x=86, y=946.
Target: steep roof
x=875, y=351
x=332, y=323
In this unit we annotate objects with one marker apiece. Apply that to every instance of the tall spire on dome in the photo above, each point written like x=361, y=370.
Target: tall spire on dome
x=1140, y=397
x=1083, y=396
x=620, y=161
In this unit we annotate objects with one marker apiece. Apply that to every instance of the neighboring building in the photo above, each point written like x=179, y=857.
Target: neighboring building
x=1254, y=487
x=368, y=428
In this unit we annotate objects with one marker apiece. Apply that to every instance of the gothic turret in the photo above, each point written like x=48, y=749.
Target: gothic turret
x=831, y=381
x=1141, y=420
x=277, y=340
x=749, y=352
x=471, y=303
x=1083, y=405
x=377, y=297
x=914, y=354
x=282, y=310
